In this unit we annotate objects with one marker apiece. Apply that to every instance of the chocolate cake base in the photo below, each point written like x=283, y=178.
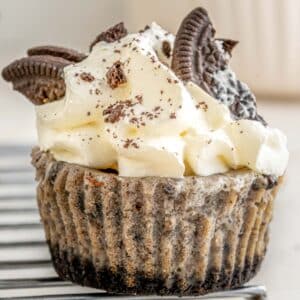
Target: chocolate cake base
x=153, y=235
x=83, y=273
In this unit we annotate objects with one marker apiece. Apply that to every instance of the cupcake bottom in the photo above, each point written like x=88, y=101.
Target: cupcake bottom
x=151, y=235
x=71, y=267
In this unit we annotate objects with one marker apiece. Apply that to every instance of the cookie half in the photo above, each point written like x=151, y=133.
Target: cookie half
x=40, y=75
x=201, y=58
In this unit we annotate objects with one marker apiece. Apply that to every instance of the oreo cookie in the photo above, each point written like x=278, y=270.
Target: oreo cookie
x=193, y=39
x=69, y=54
x=201, y=58
x=40, y=75
x=111, y=35
x=39, y=78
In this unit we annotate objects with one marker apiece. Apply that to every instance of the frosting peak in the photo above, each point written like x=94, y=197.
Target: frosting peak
x=125, y=109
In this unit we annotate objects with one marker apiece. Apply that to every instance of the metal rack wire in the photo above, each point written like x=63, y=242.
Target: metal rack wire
x=25, y=267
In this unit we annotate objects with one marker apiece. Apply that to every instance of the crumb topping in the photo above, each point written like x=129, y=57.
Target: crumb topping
x=130, y=143
x=86, y=76
x=172, y=115
x=115, y=112
x=115, y=75
x=202, y=105
x=166, y=49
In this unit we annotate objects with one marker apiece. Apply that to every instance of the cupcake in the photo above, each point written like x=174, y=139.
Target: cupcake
x=156, y=174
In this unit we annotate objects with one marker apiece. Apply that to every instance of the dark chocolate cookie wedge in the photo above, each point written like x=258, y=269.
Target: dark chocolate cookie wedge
x=111, y=35
x=38, y=77
x=228, y=45
x=202, y=59
x=62, y=52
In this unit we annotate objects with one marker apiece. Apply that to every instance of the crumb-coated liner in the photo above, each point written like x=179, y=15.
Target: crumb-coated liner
x=153, y=235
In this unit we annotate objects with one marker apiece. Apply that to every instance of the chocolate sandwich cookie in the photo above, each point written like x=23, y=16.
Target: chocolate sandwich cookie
x=202, y=59
x=40, y=75
x=111, y=35
x=68, y=54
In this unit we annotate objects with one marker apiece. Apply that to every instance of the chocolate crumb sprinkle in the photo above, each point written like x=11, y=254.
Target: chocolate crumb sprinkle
x=166, y=49
x=115, y=75
x=139, y=98
x=173, y=116
x=202, y=105
x=130, y=143
x=115, y=112
x=88, y=77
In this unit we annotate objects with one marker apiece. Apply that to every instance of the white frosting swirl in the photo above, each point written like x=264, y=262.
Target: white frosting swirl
x=154, y=124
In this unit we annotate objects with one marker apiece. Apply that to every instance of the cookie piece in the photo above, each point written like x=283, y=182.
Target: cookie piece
x=115, y=75
x=62, y=52
x=228, y=45
x=166, y=49
x=193, y=38
x=111, y=35
x=38, y=77
x=202, y=59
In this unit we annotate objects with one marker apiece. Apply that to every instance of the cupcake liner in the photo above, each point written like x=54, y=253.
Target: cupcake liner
x=153, y=235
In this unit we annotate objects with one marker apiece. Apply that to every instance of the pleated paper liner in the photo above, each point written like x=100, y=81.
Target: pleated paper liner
x=153, y=235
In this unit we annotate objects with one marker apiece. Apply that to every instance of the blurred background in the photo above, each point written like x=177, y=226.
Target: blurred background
x=267, y=58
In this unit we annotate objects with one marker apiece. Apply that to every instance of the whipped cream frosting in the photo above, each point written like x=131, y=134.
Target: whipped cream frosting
x=152, y=124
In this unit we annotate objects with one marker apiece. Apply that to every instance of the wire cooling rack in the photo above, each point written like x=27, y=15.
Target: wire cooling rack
x=25, y=267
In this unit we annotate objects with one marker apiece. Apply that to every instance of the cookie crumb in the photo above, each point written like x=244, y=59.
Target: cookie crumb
x=202, y=105
x=130, y=143
x=139, y=98
x=166, y=49
x=173, y=116
x=115, y=75
x=88, y=77
x=117, y=111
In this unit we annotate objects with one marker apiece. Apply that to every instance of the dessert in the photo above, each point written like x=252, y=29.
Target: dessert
x=156, y=174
